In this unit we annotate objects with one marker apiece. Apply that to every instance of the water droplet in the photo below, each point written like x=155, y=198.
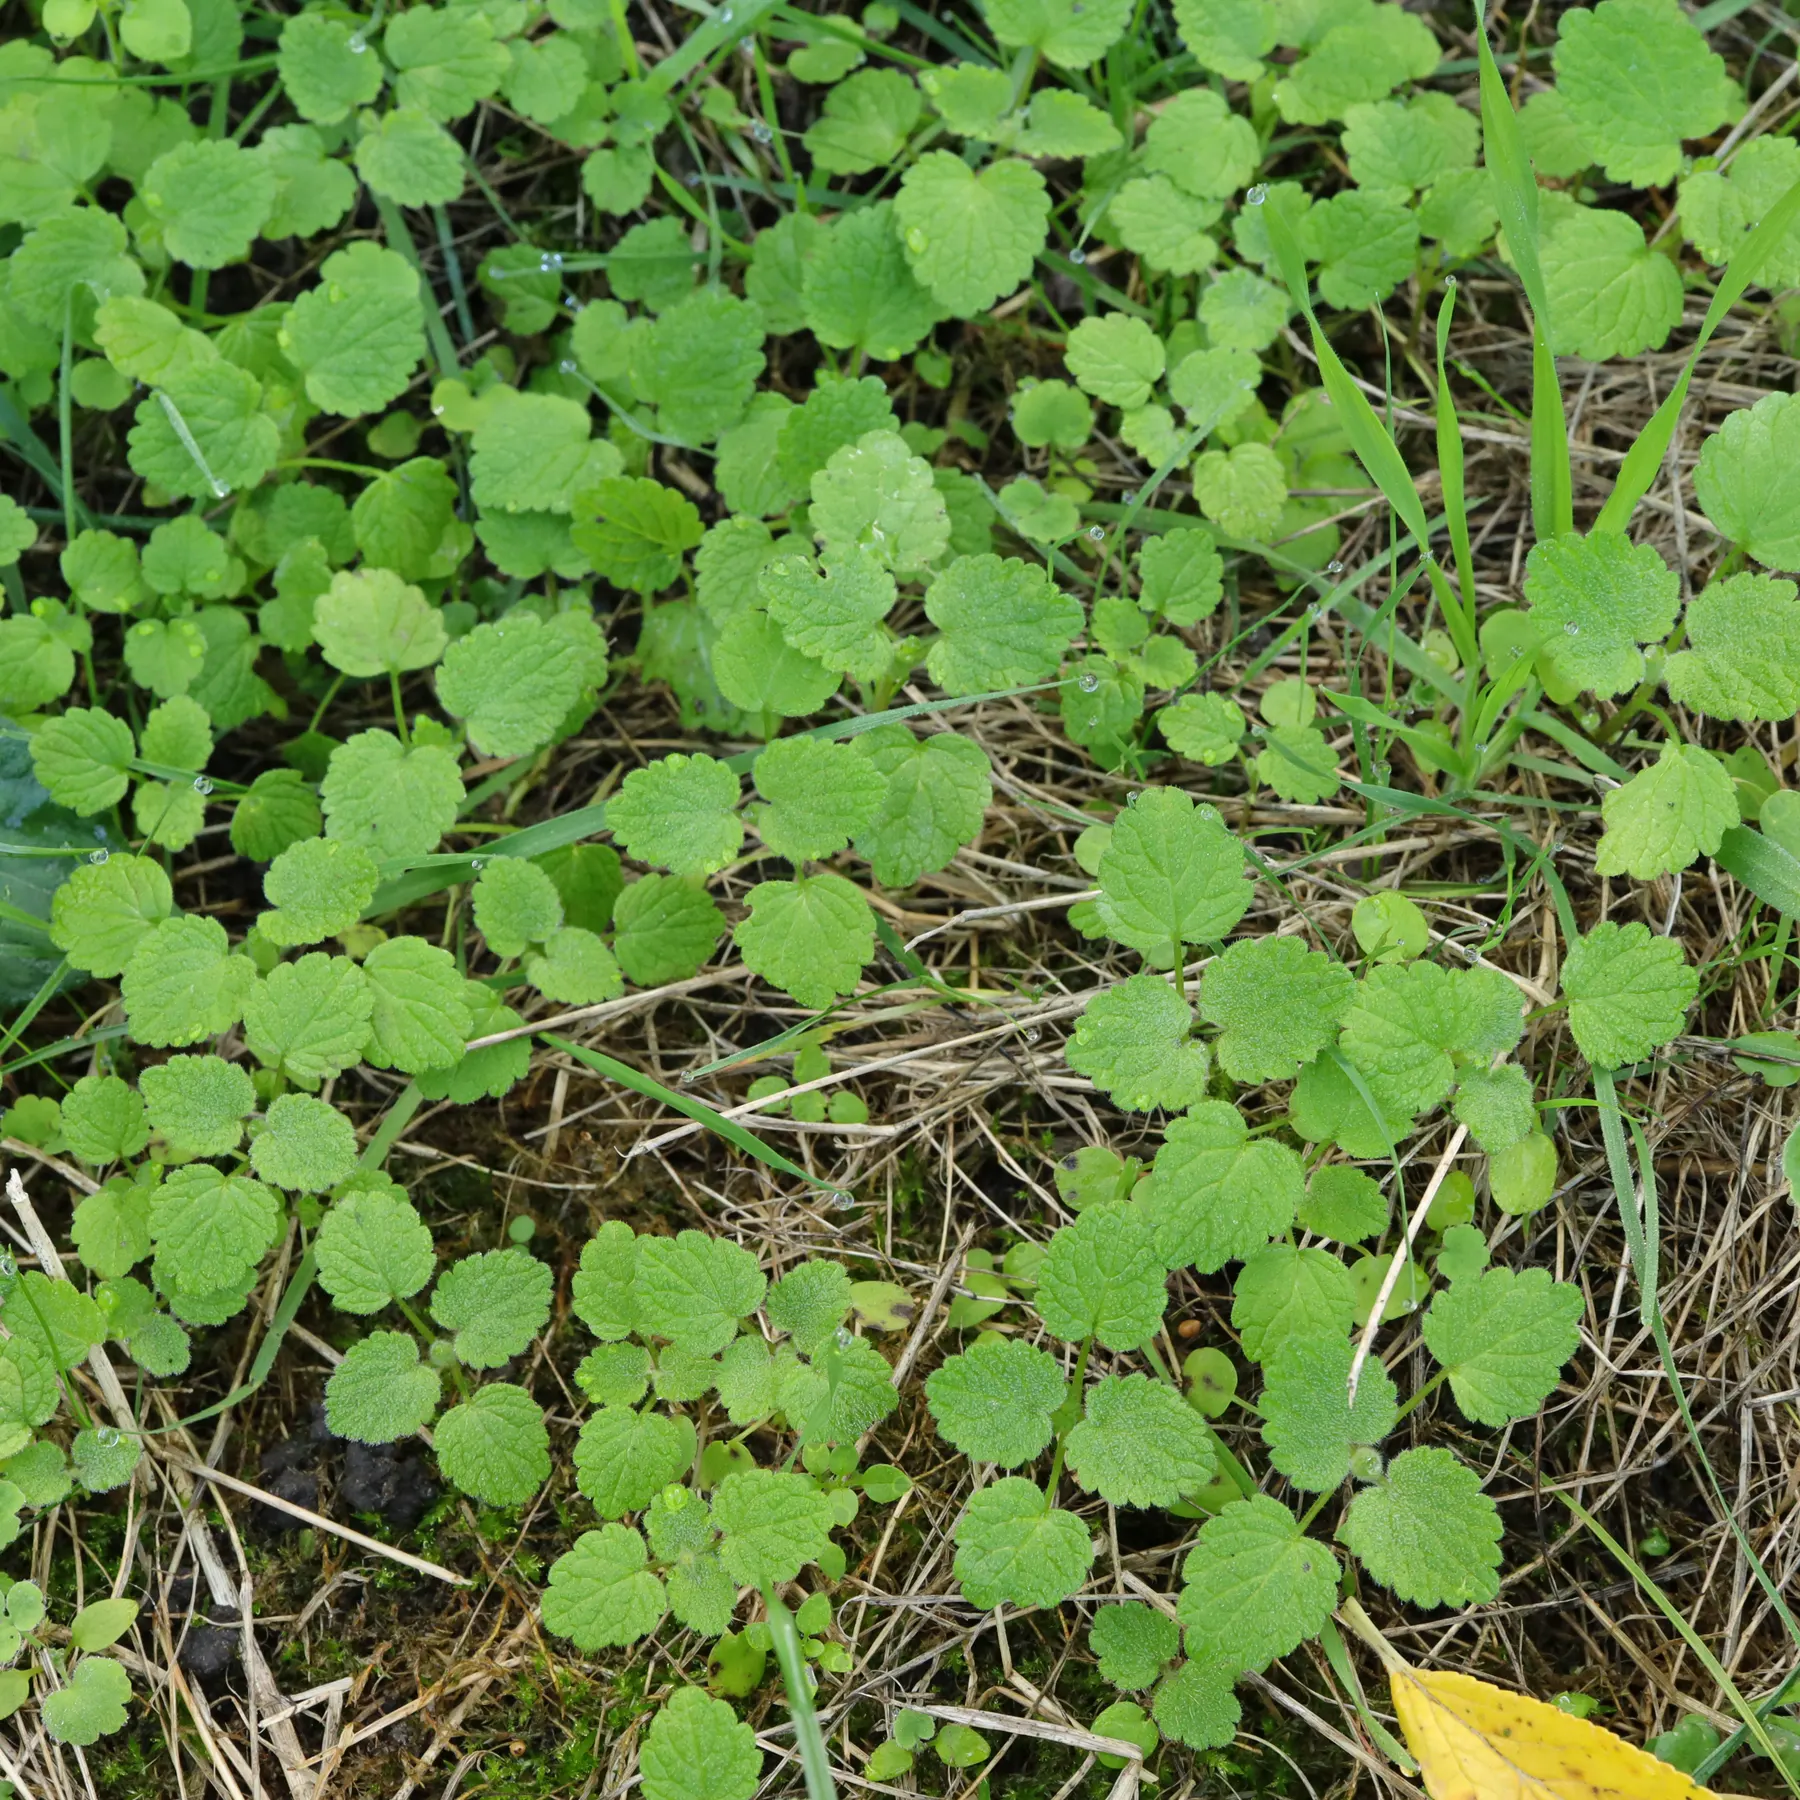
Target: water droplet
x=725, y=15
x=1449, y=281
x=1312, y=614
x=762, y=133
x=917, y=241
x=107, y=1438
x=1334, y=567
x=476, y=865
x=1078, y=256
x=1129, y=496
x=692, y=181
x=843, y=1199
x=571, y=303
x=437, y=412
x=1572, y=629
x=1032, y=1034
x=686, y=1078
x=1256, y=195
x=202, y=785
x=1427, y=556
x=569, y=366
x=1096, y=532
x=843, y=1337
x=1088, y=683
x=550, y=262
x=358, y=43
x=1131, y=800
x=99, y=856
x=1481, y=749
x=1324, y=399
x=8, y=1268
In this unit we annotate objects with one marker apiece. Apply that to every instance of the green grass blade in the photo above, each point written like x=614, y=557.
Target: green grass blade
x=1516, y=199
x=785, y=1636
x=1645, y=456
x=1771, y=873
x=689, y=1107
x=1456, y=507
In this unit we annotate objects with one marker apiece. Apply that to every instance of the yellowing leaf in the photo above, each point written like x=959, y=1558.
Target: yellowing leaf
x=1475, y=1741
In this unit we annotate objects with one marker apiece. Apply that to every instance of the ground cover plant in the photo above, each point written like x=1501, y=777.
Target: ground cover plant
x=895, y=900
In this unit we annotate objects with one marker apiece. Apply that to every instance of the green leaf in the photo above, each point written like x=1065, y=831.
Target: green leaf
x=1742, y=659
x=305, y=1144
x=514, y=681
x=309, y=1018
x=1138, y=1443
x=809, y=1302
x=865, y=123
x=698, y=1749
x=971, y=237
x=1255, y=1585
x=1116, y=358
x=623, y=1458
x=1427, y=1531
x=837, y=412
x=1241, y=490
x=1636, y=77
x=211, y=1230
x=1182, y=576
x=819, y=794
x=373, y=1249
x=678, y=812
x=574, y=968
x=516, y=904
x=420, y=1019
x=1308, y=1423
x=405, y=520
x=698, y=362
x=667, y=928
x=1060, y=124
x=387, y=798
x=198, y=1104
x=1204, y=727
x=1610, y=294
x=935, y=801
x=82, y=758
x=1201, y=145
x=773, y=1525
x=220, y=408
x=1503, y=1339
x=1070, y=34
x=858, y=291
x=601, y=1593
x=1102, y=1278
x=98, y=1626
x=619, y=1374
x=1667, y=815
x=1171, y=874
x=1196, y=1705
x=635, y=531
x=1283, y=1294
x=494, y=1445
x=445, y=59
x=1496, y=1105
x=408, y=158
x=313, y=192
x=318, y=888
x=278, y=811
x=604, y=1291
x=91, y=1706
x=210, y=199
x=493, y=1304
x=1595, y=600
x=1278, y=1004
x=1013, y=1545
x=168, y=813
x=833, y=614
x=1133, y=1643
x=693, y=1289
x=1004, y=624
x=1359, y=57
x=358, y=336
x=36, y=666
x=875, y=496
x=74, y=248
x=1749, y=483
x=182, y=984
x=369, y=622
x=758, y=671
x=995, y=1401
x=1409, y=144
x=1133, y=1042
x=810, y=937
x=381, y=1391
x=1215, y=1195
x=103, y=1122
x=327, y=70
x=1410, y=1027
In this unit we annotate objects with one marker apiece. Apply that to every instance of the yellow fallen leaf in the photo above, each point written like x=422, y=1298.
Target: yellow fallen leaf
x=1475, y=1741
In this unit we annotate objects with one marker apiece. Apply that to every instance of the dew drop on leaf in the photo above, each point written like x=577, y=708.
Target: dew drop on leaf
x=1078, y=256
x=550, y=262
x=1334, y=568
x=1129, y=496
x=568, y=366
x=1088, y=683
x=1096, y=532
x=1256, y=196
x=202, y=785
x=107, y=1438
x=358, y=44
x=99, y=856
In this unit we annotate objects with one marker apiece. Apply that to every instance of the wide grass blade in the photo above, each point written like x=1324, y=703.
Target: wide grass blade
x=1645, y=456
